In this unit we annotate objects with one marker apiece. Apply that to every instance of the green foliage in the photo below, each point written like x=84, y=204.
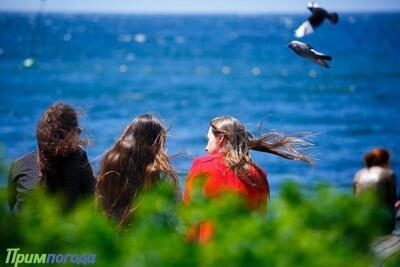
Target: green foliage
x=393, y=260
x=3, y=167
x=322, y=229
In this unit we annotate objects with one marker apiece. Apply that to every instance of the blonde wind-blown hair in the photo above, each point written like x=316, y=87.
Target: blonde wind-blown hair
x=239, y=142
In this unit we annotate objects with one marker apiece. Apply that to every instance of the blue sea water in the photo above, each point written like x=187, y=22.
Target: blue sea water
x=191, y=68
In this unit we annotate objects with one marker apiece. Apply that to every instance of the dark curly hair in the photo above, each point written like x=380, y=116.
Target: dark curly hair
x=57, y=135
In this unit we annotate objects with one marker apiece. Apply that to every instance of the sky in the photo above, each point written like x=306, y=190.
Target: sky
x=196, y=6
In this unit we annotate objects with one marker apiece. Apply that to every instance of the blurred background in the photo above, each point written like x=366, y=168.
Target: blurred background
x=189, y=61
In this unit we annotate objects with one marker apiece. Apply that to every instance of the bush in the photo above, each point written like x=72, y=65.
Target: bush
x=322, y=229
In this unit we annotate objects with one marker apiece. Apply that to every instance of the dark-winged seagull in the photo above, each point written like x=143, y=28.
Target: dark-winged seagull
x=315, y=20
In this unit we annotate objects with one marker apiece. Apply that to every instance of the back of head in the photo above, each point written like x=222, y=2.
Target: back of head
x=133, y=165
x=239, y=142
x=57, y=134
x=377, y=157
x=237, y=149
x=237, y=137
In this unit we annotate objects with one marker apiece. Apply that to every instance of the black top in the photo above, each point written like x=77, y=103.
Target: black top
x=22, y=178
x=74, y=178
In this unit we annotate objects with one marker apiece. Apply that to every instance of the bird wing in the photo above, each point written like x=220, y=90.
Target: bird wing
x=304, y=29
x=320, y=62
x=321, y=55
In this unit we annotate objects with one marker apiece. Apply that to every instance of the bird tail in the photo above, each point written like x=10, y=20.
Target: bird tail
x=325, y=57
x=333, y=17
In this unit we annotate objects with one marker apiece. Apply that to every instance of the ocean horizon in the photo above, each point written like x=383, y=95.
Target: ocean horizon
x=189, y=68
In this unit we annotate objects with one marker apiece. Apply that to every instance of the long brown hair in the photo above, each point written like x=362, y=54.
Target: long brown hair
x=239, y=142
x=57, y=135
x=134, y=164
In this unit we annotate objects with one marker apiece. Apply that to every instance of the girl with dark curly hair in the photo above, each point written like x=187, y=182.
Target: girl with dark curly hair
x=133, y=165
x=63, y=163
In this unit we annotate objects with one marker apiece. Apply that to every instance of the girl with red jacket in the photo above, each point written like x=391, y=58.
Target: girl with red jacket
x=229, y=166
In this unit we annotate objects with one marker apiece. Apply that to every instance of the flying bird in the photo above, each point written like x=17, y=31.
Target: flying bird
x=306, y=51
x=315, y=20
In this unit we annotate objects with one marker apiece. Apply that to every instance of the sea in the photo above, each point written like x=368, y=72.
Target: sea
x=188, y=69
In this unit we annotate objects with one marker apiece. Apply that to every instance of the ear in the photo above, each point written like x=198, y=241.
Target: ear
x=220, y=139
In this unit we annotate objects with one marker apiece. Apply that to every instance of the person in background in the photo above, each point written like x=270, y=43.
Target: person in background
x=134, y=164
x=379, y=178
x=229, y=167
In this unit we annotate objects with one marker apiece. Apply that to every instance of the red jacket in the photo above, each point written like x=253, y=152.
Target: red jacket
x=219, y=178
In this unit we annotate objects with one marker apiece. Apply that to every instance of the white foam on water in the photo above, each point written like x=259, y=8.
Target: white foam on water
x=312, y=74
x=123, y=68
x=147, y=69
x=256, y=71
x=226, y=70
x=130, y=57
x=67, y=37
x=124, y=38
x=140, y=38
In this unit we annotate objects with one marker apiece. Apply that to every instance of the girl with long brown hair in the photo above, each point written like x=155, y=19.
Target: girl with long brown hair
x=133, y=165
x=229, y=166
x=63, y=163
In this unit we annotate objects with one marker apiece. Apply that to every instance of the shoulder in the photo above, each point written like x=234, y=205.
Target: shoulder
x=205, y=164
x=258, y=168
x=261, y=176
x=27, y=158
x=77, y=156
x=78, y=153
x=208, y=158
x=25, y=172
x=359, y=174
x=24, y=164
x=387, y=174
